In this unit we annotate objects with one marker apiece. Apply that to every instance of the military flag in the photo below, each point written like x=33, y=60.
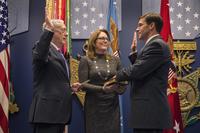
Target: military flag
x=173, y=97
x=112, y=27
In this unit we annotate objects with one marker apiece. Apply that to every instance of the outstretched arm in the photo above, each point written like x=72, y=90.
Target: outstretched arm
x=41, y=49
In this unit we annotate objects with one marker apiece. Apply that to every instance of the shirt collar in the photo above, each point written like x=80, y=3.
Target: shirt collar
x=150, y=38
x=55, y=46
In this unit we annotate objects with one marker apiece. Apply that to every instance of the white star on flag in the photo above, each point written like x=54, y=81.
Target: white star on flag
x=187, y=9
x=171, y=9
x=93, y=9
x=171, y=21
x=77, y=21
x=101, y=15
x=196, y=27
x=196, y=15
x=93, y=21
x=3, y=41
x=77, y=9
x=187, y=33
x=4, y=33
x=1, y=8
x=187, y=21
x=101, y=27
x=176, y=127
x=85, y=3
x=85, y=15
x=179, y=15
x=77, y=33
x=179, y=28
x=179, y=3
x=85, y=27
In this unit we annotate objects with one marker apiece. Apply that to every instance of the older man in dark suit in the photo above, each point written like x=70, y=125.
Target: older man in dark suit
x=150, y=112
x=51, y=107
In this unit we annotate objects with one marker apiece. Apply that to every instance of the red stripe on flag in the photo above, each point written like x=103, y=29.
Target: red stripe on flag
x=3, y=121
x=8, y=58
x=3, y=79
x=5, y=95
x=171, y=74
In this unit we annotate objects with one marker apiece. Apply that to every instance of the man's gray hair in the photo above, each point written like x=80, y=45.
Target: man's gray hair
x=55, y=22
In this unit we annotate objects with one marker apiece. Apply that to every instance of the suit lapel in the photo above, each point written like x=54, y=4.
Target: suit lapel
x=149, y=43
x=59, y=59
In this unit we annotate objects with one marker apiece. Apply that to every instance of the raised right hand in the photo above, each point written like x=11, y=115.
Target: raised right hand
x=134, y=42
x=48, y=23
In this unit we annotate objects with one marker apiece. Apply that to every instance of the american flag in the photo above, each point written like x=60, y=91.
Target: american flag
x=4, y=67
x=184, y=16
x=89, y=15
x=172, y=71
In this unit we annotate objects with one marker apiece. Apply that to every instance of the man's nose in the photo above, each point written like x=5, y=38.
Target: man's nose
x=66, y=34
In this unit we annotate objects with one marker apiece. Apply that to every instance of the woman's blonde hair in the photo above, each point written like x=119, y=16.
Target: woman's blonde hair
x=91, y=53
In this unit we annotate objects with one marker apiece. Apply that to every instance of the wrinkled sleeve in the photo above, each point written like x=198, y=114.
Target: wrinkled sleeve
x=121, y=89
x=41, y=48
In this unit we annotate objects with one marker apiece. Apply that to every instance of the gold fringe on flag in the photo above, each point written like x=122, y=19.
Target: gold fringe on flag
x=50, y=8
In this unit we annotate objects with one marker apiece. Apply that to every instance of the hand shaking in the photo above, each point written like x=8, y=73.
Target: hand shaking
x=76, y=87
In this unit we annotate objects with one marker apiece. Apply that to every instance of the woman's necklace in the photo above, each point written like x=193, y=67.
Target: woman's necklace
x=107, y=70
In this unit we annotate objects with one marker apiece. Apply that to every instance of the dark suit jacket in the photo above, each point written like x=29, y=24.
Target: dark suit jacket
x=52, y=94
x=149, y=77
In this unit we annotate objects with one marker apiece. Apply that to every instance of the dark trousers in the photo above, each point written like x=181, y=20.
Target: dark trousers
x=48, y=128
x=147, y=130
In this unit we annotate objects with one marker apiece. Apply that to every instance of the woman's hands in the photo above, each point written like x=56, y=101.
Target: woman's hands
x=110, y=88
x=111, y=85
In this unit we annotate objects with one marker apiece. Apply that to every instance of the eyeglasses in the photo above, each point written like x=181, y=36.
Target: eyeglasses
x=103, y=38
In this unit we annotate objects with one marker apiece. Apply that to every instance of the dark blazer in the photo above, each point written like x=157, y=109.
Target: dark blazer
x=149, y=77
x=52, y=94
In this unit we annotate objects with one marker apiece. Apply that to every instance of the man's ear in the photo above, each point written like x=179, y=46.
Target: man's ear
x=152, y=25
